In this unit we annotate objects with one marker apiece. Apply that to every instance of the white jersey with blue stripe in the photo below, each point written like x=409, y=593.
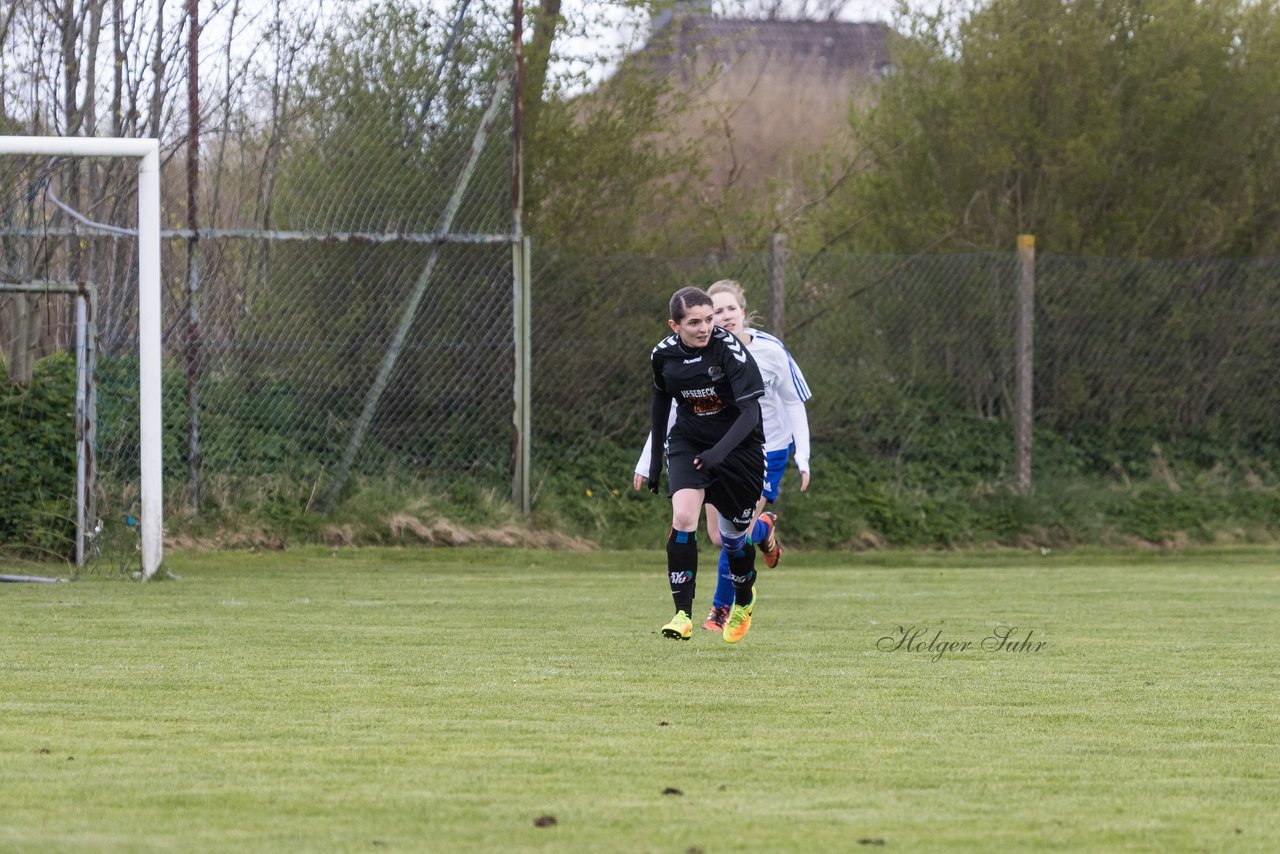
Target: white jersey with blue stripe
x=784, y=386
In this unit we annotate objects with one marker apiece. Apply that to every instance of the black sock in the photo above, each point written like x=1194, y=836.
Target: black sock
x=742, y=572
x=682, y=567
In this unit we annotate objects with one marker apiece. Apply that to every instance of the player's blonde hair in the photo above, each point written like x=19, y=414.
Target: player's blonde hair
x=730, y=286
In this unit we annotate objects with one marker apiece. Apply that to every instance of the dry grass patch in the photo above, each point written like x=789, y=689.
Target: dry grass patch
x=442, y=532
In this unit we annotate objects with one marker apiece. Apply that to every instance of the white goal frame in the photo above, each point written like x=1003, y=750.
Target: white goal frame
x=151, y=434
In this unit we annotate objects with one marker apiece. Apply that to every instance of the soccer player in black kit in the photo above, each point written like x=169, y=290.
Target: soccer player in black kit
x=714, y=453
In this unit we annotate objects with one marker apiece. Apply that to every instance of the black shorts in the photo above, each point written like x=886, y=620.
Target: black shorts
x=733, y=487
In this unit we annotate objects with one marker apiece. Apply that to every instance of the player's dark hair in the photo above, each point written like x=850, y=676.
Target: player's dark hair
x=685, y=299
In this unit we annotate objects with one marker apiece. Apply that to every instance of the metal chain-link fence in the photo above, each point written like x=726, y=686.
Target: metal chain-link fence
x=288, y=358
x=338, y=279
x=1182, y=348
x=337, y=265
x=859, y=327
x=1173, y=349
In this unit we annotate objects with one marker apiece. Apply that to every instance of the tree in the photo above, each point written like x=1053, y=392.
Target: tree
x=81, y=68
x=1102, y=126
x=604, y=170
x=602, y=163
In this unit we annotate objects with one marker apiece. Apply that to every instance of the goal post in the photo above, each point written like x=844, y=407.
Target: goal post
x=147, y=153
x=85, y=296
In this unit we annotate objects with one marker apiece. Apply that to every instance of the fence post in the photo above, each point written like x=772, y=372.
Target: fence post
x=193, y=354
x=521, y=248
x=1023, y=411
x=84, y=452
x=778, y=284
x=522, y=413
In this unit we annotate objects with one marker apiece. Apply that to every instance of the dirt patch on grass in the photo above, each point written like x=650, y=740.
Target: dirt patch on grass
x=339, y=535
x=402, y=528
x=442, y=532
x=865, y=541
x=243, y=538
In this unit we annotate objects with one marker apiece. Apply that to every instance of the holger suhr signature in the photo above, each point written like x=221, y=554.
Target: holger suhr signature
x=922, y=639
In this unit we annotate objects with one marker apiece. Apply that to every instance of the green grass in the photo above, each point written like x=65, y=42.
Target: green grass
x=437, y=700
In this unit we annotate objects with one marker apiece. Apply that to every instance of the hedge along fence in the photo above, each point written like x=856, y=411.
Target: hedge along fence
x=1167, y=351
x=38, y=459
x=908, y=357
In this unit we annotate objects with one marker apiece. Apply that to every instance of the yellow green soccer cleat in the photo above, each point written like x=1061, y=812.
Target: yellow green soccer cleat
x=680, y=627
x=739, y=622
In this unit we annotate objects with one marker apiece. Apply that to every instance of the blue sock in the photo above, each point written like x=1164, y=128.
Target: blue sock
x=724, y=584
x=759, y=531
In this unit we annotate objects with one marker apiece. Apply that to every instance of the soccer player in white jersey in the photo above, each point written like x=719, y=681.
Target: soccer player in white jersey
x=714, y=452
x=786, y=430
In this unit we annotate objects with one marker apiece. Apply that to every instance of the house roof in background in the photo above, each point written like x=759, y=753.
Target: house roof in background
x=839, y=46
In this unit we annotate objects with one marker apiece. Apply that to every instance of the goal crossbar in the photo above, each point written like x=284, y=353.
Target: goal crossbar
x=147, y=153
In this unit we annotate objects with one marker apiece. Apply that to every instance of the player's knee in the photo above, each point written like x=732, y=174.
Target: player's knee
x=684, y=521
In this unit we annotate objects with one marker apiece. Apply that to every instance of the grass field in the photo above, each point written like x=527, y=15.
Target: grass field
x=446, y=700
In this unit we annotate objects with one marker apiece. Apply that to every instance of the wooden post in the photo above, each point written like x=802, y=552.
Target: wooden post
x=521, y=266
x=193, y=349
x=1023, y=409
x=778, y=300
x=778, y=285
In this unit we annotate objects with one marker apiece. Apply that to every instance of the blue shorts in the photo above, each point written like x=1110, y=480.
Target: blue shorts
x=776, y=466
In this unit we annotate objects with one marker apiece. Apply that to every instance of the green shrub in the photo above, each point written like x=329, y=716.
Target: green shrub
x=914, y=468
x=38, y=460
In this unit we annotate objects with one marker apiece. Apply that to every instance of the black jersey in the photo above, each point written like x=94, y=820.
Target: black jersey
x=707, y=385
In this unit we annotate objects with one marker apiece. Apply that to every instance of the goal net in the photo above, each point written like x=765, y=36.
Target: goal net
x=68, y=232
x=46, y=463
